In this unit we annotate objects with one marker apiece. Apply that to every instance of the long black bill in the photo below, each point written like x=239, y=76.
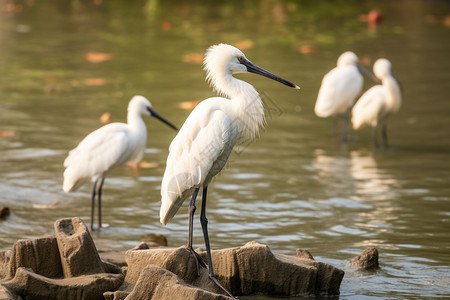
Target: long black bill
x=156, y=115
x=252, y=68
x=368, y=73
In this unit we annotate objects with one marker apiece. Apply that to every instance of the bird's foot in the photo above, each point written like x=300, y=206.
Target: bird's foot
x=198, y=259
x=214, y=279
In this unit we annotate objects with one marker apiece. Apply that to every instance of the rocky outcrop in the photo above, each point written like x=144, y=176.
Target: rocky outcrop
x=64, y=266
x=366, y=260
x=251, y=269
x=68, y=266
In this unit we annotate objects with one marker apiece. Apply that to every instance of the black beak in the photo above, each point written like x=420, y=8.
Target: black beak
x=154, y=114
x=252, y=68
x=368, y=73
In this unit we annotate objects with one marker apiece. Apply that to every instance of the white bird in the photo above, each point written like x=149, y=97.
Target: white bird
x=339, y=89
x=106, y=148
x=379, y=102
x=205, y=141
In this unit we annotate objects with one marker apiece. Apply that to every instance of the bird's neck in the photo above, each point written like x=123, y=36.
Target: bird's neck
x=248, y=108
x=394, y=96
x=136, y=124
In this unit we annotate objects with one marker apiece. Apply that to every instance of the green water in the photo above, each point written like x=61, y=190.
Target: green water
x=297, y=186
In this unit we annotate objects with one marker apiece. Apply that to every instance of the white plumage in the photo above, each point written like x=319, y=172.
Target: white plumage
x=206, y=139
x=379, y=102
x=108, y=147
x=339, y=89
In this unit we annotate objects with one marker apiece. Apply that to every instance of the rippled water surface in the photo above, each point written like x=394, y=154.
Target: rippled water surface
x=63, y=65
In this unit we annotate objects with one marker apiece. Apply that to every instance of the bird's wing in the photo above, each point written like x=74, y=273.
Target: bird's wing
x=338, y=91
x=198, y=152
x=96, y=154
x=368, y=108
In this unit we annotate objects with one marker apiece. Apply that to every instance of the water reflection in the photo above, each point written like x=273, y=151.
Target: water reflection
x=353, y=181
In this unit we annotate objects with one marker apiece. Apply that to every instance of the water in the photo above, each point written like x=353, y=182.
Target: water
x=296, y=187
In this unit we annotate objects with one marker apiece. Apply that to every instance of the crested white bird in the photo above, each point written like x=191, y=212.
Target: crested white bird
x=379, y=102
x=106, y=148
x=205, y=141
x=339, y=89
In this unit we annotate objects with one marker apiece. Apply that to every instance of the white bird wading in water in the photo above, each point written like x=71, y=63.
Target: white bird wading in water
x=106, y=148
x=379, y=102
x=339, y=89
x=202, y=147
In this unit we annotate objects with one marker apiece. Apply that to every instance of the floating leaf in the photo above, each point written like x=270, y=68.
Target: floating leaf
x=97, y=57
x=95, y=81
x=307, y=49
x=195, y=58
x=7, y=133
x=244, y=45
x=188, y=105
x=105, y=118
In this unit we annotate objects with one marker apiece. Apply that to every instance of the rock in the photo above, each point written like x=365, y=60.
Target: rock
x=41, y=255
x=155, y=240
x=4, y=212
x=34, y=286
x=4, y=264
x=65, y=266
x=301, y=253
x=167, y=286
x=247, y=270
x=115, y=257
x=366, y=260
x=77, y=249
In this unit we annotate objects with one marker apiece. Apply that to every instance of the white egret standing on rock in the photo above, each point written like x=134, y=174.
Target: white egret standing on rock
x=379, y=102
x=106, y=148
x=340, y=88
x=205, y=141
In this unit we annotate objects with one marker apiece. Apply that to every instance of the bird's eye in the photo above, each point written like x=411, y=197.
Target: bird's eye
x=240, y=58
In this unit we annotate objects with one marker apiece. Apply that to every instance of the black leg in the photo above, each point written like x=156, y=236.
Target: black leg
x=100, y=187
x=344, y=126
x=204, y=222
x=374, y=136
x=384, y=135
x=94, y=189
x=192, y=208
x=335, y=125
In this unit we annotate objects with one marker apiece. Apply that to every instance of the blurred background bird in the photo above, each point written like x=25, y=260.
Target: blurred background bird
x=339, y=89
x=379, y=102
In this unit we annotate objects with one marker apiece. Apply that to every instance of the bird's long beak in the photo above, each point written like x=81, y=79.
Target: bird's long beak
x=156, y=115
x=368, y=73
x=252, y=68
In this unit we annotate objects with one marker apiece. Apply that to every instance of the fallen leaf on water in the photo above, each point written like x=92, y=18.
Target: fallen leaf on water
x=244, y=45
x=54, y=204
x=194, y=58
x=365, y=60
x=307, y=49
x=95, y=81
x=105, y=118
x=188, y=105
x=96, y=57
x=7, y=133
x=147, y=165
x=166, y=25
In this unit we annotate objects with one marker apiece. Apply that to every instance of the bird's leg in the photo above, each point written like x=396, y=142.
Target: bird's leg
x=192, y=208
x=335, y=125
x=374, y=136
x=204, y=222
x=344, y=126
x=100, y=187
x=94, y=190
x=384, y=135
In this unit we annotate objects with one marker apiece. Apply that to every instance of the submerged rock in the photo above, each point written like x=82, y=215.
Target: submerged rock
x=366, y=260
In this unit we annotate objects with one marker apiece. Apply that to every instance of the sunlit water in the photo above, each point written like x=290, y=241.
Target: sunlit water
x=297, y=186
